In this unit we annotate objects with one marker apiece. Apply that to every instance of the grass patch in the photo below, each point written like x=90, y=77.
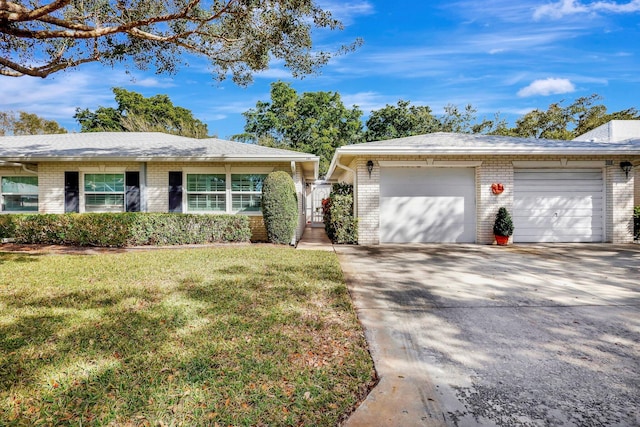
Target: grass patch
x=227, y=336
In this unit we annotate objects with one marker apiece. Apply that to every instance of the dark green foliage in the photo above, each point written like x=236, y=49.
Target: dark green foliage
x=23, y=123
x=339, y=223
x=279, y=207
x=503, y=226
x=124, y=229
x=636, y=222
x=7, y=226
x=237, y=38
x=311, y=122
x=135, y=113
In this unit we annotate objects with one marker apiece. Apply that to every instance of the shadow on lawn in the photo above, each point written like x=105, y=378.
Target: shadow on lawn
x=231, y=344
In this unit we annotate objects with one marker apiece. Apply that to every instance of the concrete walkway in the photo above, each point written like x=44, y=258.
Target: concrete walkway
x=315, y=239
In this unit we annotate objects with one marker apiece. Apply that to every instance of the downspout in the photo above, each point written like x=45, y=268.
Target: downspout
x=294, y=238
x=22, y=165
x=355, y=186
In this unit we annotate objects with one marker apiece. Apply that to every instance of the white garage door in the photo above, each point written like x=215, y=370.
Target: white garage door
x=427, y=205
x=558, y=205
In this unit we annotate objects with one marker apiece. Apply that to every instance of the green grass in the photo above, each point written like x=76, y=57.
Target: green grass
x=228, y=336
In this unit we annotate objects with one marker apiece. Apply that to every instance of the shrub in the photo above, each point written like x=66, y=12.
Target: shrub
x=125, y=229
x=636, y=222
x=339, y=223
x=7, y=226
x=503, y=225
x=279, y=207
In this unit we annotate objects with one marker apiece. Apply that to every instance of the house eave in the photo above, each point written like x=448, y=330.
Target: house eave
x=355, y=151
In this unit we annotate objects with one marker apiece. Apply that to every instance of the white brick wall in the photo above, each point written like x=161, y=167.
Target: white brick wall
x=619, y=205
x=51, y=180
x=637, y=184
x=498, y=171
x=619, y=210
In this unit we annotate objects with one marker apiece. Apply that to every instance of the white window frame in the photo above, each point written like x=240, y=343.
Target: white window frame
x=215, y=193
x=228, y=171
x=245, y=193
x=84, y=193
x=2, y=194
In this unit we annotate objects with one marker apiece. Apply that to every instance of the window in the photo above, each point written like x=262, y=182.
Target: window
x=19, y=193
x=206, y=192
x=246, y=192
x=104, y=192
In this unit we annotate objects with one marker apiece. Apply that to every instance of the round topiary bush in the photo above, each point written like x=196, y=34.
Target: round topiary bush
x=279, y=207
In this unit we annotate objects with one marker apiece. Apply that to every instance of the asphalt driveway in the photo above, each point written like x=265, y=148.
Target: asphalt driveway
x=467, y=335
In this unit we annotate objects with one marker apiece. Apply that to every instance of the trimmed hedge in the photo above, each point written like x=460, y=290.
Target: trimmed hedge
x=279, y=207
x=124, y=229
x=339, y=223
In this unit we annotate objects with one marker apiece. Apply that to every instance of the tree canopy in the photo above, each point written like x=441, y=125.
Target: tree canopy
x=556, y=122
x=404, y=119
x=560, y=122
x=135, y=113
x=313, y=122
x=238, y=37
x=23, y=123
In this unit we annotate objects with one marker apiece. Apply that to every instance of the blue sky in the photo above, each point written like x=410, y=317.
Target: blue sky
x=506, y=56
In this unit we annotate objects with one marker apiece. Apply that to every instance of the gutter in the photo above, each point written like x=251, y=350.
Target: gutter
x=624, y=150
x=22, y=165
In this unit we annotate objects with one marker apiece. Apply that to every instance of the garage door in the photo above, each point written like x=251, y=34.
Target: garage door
x=427, y=205
x=558, y=205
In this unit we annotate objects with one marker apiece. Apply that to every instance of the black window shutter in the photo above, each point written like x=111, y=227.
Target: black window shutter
x=175, y=192
x=132, y=180
x=71, y=192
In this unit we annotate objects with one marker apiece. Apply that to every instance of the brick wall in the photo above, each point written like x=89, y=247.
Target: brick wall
x=619, y=209
x=368, y=203
x=258, y=230
x=637, y=184
x=493, y=170
x=51, y=180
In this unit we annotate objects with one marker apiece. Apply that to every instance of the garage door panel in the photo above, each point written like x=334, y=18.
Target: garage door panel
x=558, y=205
x=559, y=223
x=585, y=235
x=562, y=187
x=427, y=205
x=556, y=175
x=551, y=211
x=553, y=204
x=416, y=182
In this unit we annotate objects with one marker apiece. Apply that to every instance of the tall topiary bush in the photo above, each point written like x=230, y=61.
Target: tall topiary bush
x=503, y=225
x=279, y=207
x=339, y=223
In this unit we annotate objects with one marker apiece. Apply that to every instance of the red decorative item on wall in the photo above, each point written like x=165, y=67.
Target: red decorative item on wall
x=497, y=188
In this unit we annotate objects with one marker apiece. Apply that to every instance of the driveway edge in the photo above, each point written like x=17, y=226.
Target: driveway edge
x=404, y=394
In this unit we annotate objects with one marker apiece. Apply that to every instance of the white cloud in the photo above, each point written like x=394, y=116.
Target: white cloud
x=274, y=74
x=546, y=87
x=347, y=11
x=366, y=101
x=564, y=8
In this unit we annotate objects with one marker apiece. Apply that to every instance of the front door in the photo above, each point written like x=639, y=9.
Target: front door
x=319, y=192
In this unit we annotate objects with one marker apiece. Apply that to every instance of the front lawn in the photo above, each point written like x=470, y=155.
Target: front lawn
x=255, y=335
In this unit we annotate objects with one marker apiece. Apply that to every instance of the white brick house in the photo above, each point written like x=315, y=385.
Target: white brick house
x=440, y=188
x=148, y=172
